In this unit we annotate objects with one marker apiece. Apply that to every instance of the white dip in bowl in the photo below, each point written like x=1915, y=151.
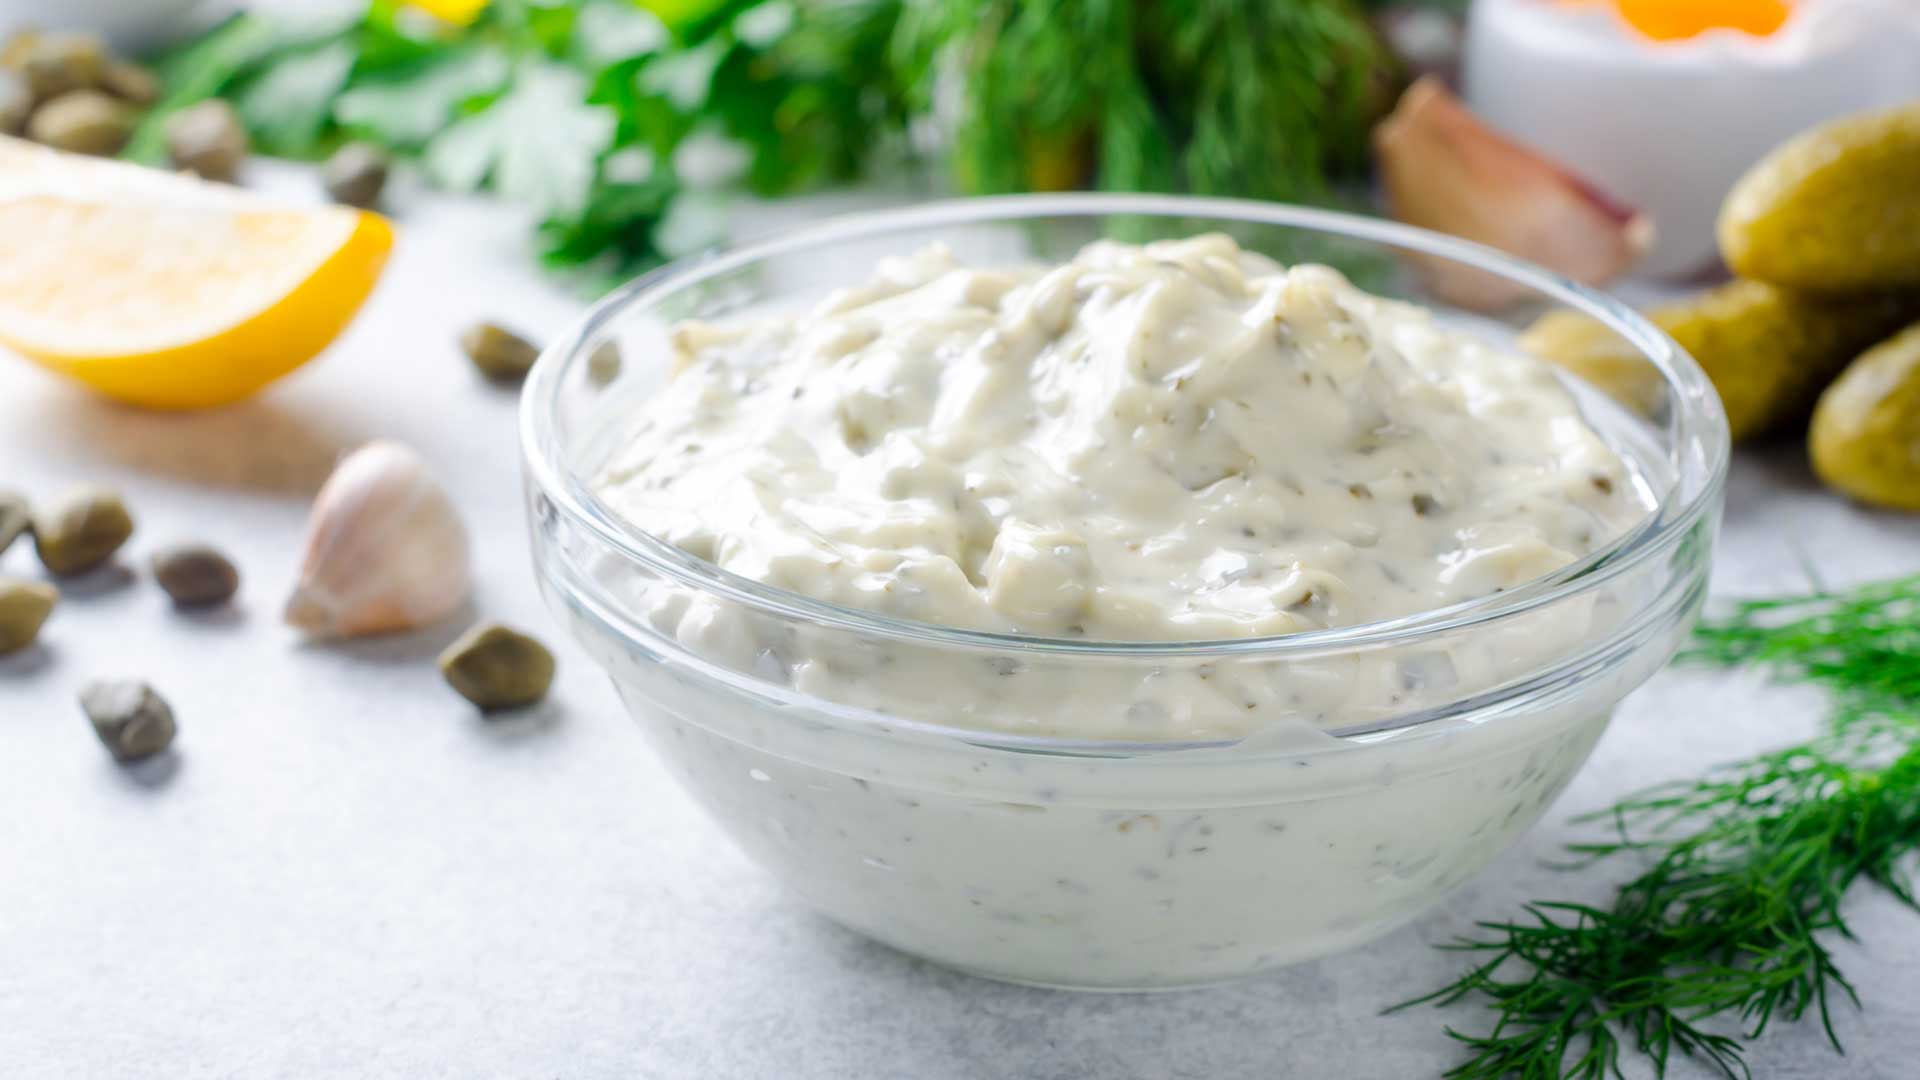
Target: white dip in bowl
x=1111, y=615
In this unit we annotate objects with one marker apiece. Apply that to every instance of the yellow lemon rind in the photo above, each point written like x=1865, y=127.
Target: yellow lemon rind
x=241, y=359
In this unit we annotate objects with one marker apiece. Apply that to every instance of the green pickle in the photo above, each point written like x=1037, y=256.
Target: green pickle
x=1865, y=438
x=1768, y=351
x=1588, y=348
x=1836, y=209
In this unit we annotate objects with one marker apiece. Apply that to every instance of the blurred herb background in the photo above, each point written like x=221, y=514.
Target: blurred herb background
x=623, y=127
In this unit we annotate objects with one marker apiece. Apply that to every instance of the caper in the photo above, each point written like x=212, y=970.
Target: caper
x=130, y=82
x=208, y=140
x=83, y=122
x=56, y=64
x=132, y=720
x=16, y=102
x=499, y=353
x=81, y=532
x=195, y=575
x=24, y=607
x=497, y=668
x=355, y=175
x=603, y=364
x=15, y=518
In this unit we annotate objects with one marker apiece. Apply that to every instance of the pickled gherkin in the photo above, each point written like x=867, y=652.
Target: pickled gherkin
x=1865, y=438
x=1836, y=209
x=1768, y=351
x=1590, y=349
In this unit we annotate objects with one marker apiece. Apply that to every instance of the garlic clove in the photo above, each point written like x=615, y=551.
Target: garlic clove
x=1443, y=169
x=386, y=550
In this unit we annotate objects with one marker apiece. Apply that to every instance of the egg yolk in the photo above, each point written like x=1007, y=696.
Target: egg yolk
x=1672, y=20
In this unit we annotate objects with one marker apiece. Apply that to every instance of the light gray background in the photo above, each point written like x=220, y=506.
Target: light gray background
x=344, y=871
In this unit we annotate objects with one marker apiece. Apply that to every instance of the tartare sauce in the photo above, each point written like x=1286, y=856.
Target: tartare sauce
x=1175, y=441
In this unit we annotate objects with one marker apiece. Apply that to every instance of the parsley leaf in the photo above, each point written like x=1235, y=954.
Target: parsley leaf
x=539, y=143
x=405, y=110
x=214, y=63
x=611, y=32
x=287, y=107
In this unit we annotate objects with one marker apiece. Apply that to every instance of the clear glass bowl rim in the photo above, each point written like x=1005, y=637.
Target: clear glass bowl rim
x=1698, y=419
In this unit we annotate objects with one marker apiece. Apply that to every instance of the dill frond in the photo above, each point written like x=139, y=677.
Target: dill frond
x=1745, y=868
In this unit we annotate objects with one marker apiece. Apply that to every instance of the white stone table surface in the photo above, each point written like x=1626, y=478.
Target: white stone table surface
x=343, y=871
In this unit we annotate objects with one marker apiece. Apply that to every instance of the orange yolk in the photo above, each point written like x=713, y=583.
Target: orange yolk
x=1672, y=20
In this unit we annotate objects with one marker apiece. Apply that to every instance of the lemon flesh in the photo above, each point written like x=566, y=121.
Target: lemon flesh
x=168, y=292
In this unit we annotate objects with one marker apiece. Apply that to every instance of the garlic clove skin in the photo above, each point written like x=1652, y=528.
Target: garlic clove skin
x=1446, y=170
x=386, y=551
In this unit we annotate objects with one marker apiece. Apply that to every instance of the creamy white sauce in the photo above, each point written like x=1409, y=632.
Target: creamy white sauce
x=1176, y=441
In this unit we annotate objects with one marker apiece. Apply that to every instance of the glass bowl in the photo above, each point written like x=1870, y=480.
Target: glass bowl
x=936, y=823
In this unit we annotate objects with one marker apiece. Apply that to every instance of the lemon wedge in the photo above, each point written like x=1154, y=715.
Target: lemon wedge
x=169, y=292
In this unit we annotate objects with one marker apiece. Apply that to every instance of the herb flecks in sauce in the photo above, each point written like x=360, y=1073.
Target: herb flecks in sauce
x=1176, y=441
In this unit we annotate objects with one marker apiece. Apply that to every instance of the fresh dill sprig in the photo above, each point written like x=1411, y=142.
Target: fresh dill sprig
x=1265, y=100
x=1726, y=929
x=1863, y=644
